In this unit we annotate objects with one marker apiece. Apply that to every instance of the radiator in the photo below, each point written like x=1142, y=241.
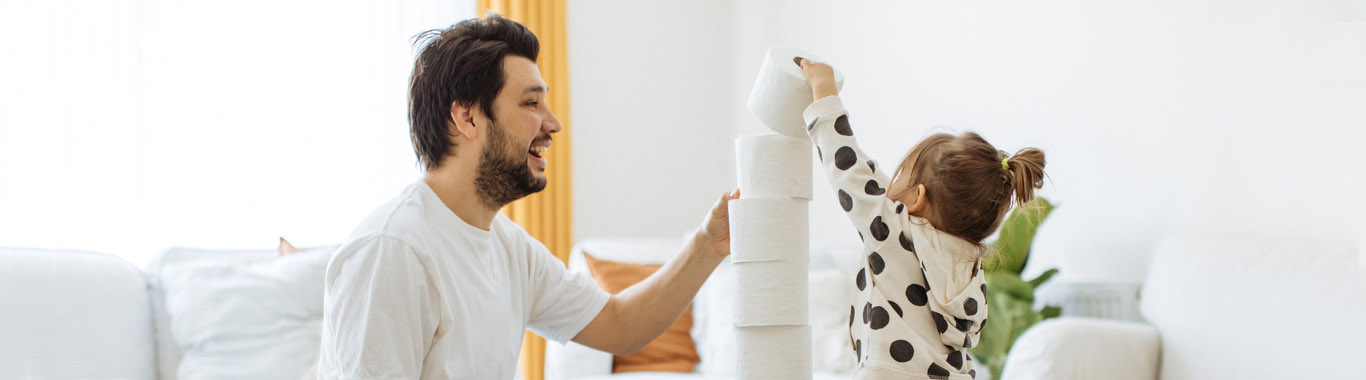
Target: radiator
x=1118, y=301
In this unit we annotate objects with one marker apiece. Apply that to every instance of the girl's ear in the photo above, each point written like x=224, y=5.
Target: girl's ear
x=918, y=206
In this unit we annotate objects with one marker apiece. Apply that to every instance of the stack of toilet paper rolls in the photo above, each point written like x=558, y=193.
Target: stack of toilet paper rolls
x=769, y=227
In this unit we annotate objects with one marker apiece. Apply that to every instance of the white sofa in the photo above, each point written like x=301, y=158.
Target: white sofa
x=712, y=333
x=72, y=314
x=85, y=315
x=1218, y=308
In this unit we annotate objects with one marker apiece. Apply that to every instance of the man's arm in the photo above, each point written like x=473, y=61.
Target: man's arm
x=637, y=315
x=379, y=314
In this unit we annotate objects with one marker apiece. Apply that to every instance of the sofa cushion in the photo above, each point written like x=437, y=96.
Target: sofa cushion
x=1230, y=308
x=673, y=350
x=72, y=314
x=168, y=353
x=265, y=311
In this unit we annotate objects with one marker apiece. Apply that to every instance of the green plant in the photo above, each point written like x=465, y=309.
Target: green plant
x=1011, y=298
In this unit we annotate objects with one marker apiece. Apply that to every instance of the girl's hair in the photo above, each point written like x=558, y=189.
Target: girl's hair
x=969, y=183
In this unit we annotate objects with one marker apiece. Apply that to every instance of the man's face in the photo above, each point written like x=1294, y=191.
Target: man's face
x=513, y=165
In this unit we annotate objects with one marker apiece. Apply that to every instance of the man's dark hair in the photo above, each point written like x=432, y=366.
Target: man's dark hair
x=461, y=64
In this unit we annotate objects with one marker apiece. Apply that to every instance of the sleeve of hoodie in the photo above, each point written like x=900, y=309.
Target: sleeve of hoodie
x=859, y=187
x=952, y=284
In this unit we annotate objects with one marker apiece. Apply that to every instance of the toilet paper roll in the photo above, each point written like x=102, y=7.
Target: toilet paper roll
x=769, y=229
x=773, y=352
x=770, y=293
x=780, y=93
x=773, y=166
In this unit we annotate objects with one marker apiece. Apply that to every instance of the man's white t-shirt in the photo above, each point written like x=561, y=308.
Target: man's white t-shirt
x=418, y=293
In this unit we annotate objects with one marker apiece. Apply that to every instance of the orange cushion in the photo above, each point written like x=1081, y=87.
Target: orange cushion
x=672, y=351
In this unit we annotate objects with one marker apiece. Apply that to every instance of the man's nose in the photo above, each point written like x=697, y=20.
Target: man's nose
x=551, y=124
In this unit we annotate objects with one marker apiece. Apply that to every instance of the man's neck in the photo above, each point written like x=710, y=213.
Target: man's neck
x=455, y=187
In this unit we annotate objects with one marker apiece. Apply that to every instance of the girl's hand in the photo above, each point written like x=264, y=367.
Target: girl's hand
x=819, y=77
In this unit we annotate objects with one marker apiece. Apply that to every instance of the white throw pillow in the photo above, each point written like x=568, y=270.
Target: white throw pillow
x=258, y=319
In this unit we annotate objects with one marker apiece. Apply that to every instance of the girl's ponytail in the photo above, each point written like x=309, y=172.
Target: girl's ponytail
x=1024, y=173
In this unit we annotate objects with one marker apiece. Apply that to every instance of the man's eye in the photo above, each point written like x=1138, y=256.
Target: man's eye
x=533, y=103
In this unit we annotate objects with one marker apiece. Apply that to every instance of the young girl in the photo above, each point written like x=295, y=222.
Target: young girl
x=922, y=294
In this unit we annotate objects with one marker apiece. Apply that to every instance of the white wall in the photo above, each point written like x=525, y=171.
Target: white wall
x=1158, y=117
x=652, y=149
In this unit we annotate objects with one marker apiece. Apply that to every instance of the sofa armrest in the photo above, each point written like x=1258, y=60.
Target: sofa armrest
x=1082, y=348
x=573, y=361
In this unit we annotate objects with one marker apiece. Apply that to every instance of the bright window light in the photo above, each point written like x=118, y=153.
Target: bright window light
x=128, y=127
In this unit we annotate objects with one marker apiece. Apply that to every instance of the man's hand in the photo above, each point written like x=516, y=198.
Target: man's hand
x=638, y=314
x=820, y=78
x=714, y=234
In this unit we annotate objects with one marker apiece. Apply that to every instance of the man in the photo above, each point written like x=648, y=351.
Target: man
x=436, y=283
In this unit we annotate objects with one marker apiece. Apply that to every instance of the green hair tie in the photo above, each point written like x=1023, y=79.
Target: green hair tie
x=1005, y=164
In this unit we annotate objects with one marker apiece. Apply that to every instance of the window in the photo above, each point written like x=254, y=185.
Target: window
x=130, y=126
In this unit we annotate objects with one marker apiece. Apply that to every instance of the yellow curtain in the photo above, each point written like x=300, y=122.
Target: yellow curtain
x=545, y=215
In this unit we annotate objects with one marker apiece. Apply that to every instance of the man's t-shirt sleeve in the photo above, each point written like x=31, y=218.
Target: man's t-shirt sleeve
x=562, y=302
x=380, y=312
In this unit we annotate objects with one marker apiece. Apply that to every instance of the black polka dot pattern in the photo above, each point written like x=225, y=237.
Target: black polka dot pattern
x=875, y=263
x=879, y=318
x=893, y=267
x=902, y=351
x=812, y=125
x=917, y=295
x=936, y=372
x=860, y=281
x=872, y=188
x=879, y=229
x=939, y=322
x=819, y=157
x=845, y=158
x=962, y=324
x=842, y=126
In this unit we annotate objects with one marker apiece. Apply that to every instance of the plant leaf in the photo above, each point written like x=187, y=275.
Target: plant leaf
x=1011, y=285
x=1043, y=277
x=1017, y=234
x=1050, y=312
x=994, y=342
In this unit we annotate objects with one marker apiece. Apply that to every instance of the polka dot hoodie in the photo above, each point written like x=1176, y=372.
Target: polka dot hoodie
x=921, y=292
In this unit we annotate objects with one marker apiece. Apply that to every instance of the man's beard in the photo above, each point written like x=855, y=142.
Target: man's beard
x=504, y=175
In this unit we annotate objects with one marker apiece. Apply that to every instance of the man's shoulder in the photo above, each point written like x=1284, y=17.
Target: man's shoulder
x=378, y=247
x=513, y=235
x=401, y=217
